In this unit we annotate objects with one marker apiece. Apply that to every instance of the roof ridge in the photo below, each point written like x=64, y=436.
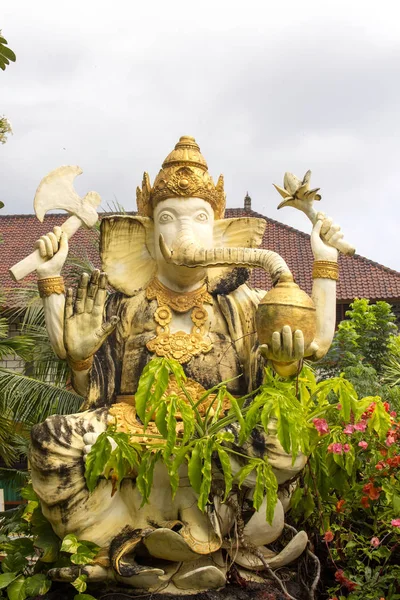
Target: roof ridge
x=307, y=235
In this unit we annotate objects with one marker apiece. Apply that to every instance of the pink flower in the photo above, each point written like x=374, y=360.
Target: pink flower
x=361, y=426
x=395, y=522
x=349, y=429
x=375, y=542
x=328, y=537
x=335, y=448
x=390, y=440
x=346, y=448
x=321, y=426
x=363, y=444
x=393, y=414
x=339, y=406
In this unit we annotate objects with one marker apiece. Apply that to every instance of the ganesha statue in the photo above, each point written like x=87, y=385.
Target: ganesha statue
x=179, y=273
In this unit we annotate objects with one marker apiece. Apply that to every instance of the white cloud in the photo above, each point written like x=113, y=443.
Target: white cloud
x=264, y=86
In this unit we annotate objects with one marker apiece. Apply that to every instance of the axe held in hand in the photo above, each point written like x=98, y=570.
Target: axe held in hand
x=56, y=191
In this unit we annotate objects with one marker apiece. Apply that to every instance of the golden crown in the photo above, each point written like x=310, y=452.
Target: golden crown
x=184, y=174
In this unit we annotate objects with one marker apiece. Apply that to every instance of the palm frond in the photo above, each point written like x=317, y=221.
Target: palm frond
x=32, y=401
x=20, y=345
x=14, y=477
x=45, y=365
x=27, y=305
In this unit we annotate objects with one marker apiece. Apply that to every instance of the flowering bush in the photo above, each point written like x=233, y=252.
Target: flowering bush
x=349, y=497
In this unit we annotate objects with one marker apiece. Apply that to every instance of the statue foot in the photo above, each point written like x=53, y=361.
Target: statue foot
x=123, y=550
x=168, y=545
x=207, y=573
x=68, y=574
x=290, y=553
x=151, y=578
x=201, y=531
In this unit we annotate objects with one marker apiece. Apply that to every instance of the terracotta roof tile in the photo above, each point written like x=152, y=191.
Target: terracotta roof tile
x=359, y=276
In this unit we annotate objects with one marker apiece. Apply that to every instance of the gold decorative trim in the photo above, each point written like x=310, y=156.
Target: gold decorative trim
x=325, y=269
x=123, y=417
x=178, y=301
x=80, y=365
x=51, y=285
x=180, y=346
x=193, y=388
x=184, y=174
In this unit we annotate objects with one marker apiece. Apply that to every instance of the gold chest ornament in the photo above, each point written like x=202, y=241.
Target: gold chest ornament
x=180, y=346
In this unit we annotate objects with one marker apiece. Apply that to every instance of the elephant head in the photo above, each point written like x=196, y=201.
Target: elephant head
x=180, y=228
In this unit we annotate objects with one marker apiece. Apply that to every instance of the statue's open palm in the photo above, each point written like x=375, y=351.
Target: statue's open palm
x=84, y=329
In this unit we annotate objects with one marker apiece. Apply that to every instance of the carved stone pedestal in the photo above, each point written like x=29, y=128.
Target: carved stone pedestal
x=250, y=591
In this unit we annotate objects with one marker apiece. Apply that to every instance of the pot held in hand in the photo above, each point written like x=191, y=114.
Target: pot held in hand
x=286, y=304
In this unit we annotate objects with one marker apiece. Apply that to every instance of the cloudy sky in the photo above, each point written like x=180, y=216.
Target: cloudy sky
x=264, y=86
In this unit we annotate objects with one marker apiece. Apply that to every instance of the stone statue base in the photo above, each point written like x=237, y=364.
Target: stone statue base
x=250, y=591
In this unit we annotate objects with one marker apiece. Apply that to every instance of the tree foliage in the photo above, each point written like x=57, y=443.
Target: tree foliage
x=6, y=54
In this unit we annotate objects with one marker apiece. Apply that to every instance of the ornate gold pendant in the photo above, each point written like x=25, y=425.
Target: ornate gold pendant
x=180, y=346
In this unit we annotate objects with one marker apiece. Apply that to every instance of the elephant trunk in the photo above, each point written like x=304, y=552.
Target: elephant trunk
x=187, y=253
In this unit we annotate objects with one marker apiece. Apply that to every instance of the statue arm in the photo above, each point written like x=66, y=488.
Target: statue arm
x=324, y=288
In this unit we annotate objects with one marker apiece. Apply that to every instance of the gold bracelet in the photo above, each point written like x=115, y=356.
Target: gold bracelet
x=325, y=269
x=51, y=285
x=80, y=365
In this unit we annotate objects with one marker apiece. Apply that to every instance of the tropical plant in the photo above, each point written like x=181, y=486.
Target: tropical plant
x=363, y=347
x=6, y=54
x=347, y=497
x=5, y=130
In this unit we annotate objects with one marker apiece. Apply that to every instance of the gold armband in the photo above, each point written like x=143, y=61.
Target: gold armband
x=325, y=269
x=80, y=365
x=51, y=285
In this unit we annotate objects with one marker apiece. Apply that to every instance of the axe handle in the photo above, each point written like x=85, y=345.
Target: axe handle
x=34, y=260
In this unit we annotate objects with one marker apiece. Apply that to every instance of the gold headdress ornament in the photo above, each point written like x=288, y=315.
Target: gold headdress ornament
x=184, y=174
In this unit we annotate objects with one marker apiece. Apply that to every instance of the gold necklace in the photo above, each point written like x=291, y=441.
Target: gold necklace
x=180, y=345
x=178, y=301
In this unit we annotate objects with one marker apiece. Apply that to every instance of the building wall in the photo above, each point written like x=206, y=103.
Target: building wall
x=11, y=362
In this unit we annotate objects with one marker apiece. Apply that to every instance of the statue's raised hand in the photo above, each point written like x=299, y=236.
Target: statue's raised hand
x=54, y=248
x=84, y=329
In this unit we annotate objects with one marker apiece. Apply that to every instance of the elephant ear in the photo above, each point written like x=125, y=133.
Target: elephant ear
x=242, y=232
x=127, y=252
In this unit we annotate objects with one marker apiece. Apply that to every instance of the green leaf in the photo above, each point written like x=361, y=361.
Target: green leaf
x=205, y=487
x=27, y=493
x=245, y=472
x=48, y=543
x=144, y=479
x=160, y=420
x=227, y=470
x=187, y=418
x=177, y=371
x=6, y=579
x=173, y=468
x=171, y=426
x=84, y=597
x=143, y=392
x=96, y=460
x=271, y=487
x=161, y=383
x=258, y=494
x=14, y=563
x=240, y=419
x=195, y=466
x=16, y=589
x=70, y=544
x=29, y=510
x=80, y=583
x=7, y=53
x=37, y=585
x=83, y=556
x=379, y=420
